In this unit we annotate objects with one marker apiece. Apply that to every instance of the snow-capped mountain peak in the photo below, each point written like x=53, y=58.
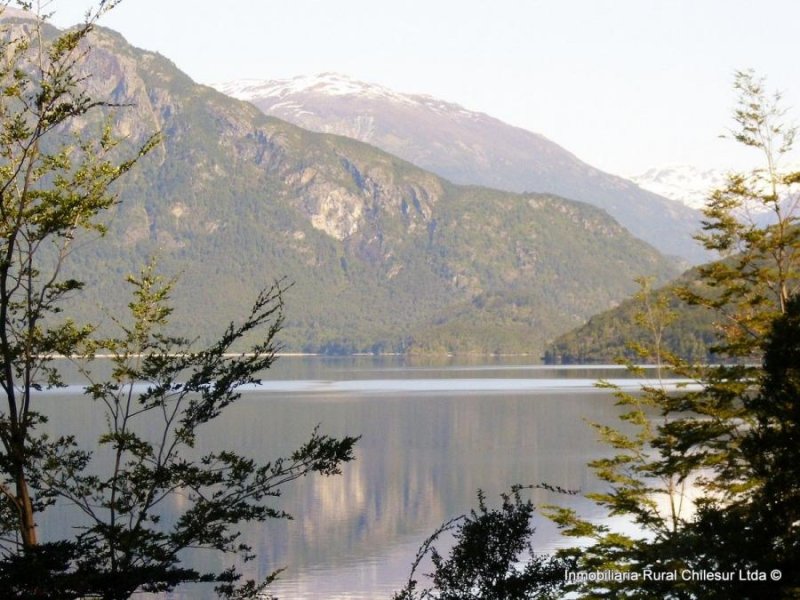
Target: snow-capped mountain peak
x=466, y=147
x=693, y=187
x=331, y=84
x=684, y=183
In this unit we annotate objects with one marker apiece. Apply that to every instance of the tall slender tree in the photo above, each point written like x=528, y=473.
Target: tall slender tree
x=719, y=441
x=759, y=273
x=57, y=172
x=53, y=184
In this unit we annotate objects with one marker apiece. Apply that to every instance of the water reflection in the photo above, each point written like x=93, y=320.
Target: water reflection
x=425, y=450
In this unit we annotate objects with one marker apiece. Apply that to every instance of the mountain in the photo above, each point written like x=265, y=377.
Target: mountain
x=384, y=256
x=470, y=148
x=693, y=187
x=606, y=337
x=683, y=183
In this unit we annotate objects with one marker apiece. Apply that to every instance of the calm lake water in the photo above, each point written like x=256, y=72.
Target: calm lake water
x=432, y=435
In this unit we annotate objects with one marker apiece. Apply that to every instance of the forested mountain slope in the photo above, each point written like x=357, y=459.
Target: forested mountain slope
x=384, y=256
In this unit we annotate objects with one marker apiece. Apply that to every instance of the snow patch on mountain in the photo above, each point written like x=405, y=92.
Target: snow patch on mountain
x=467, y=147
x=335, y=84
x=331, y=84
x=693, y=187
x=684, y=183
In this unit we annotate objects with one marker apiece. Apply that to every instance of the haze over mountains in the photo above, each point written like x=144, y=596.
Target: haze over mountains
x=682, y=183
x=384, y=255
x=694, y=186
x=470, y=148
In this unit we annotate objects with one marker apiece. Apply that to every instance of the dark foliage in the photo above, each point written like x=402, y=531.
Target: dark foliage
x=492, y=557
x=760, y=531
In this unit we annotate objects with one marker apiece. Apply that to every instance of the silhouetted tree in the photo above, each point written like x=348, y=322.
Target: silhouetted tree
x=56, y=177
x=492, y=557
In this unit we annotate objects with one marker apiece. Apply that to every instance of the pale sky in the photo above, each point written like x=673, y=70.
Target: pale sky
x=624, y=84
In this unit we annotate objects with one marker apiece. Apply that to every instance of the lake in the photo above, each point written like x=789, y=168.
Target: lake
x=432, y=435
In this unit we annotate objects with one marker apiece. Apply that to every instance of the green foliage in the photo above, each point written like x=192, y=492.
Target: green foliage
x=53, y=185
x=757, y=529
x=492, y=557
x=708, y=476
x=650, y=472
x=156, y=401
x=725, y=307
x=233, y=198
x=612, y=334
x=761, y=274
x=750, y=286
x=56, y=176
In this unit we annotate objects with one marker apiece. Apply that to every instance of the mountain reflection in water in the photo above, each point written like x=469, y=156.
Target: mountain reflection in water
x=432, y=435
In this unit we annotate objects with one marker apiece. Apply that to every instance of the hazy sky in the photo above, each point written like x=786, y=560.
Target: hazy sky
x=623, y=84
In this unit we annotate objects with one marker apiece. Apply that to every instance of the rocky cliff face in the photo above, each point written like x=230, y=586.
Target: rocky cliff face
x=384, y=256
x=469, y=148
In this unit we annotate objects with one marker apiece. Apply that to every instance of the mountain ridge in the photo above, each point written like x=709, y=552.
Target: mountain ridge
x=384, y=256
x=469, y=147
x=682, y=183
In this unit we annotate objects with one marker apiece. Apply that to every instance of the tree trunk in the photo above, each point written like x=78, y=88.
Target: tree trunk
x=27, y=525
